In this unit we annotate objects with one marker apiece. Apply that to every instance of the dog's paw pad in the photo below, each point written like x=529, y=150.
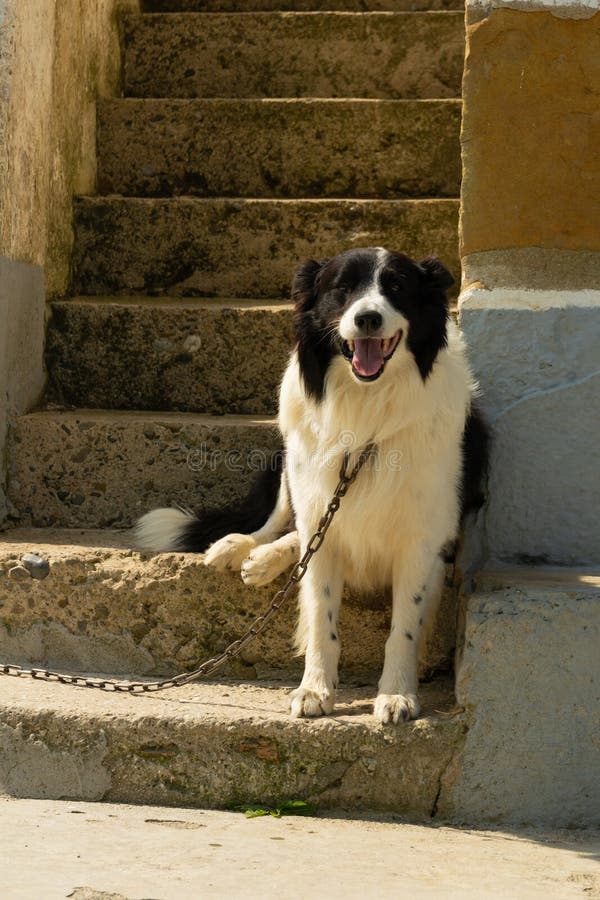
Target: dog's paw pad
x=306, y=703
x=229, y=552
x=392, y=709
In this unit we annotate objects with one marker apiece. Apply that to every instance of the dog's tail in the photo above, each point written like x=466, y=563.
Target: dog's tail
x=175, y=529
x=476, y=449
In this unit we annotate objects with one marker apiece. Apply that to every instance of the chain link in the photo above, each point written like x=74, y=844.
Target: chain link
x=210, y=666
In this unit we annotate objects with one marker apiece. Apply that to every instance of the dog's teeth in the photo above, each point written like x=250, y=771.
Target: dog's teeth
x=351, y=345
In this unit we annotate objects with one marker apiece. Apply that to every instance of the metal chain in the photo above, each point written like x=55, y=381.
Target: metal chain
x=210, y=666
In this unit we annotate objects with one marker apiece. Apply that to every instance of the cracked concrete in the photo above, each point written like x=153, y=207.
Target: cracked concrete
x=105, y=607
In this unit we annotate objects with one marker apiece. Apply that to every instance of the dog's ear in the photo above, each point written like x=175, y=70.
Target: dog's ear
x=436, y=274
x=313, y=351
x=306, y=282
x=427, y=333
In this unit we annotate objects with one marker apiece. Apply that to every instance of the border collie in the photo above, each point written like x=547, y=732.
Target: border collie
x=377, y=359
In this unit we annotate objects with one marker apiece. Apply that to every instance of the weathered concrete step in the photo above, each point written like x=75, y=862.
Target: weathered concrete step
x=241, y=248
x=156, y=6
x=193, y=355
x=280, y=148
x=221, y=746
x=96, y=469
x=529, y=680
x=144, y=353
x=278, y=54
x=104, y=607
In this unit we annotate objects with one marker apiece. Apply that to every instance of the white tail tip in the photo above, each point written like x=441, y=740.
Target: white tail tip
x=161, y=529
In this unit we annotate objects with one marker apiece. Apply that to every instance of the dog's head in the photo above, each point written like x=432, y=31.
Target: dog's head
x=371, y=308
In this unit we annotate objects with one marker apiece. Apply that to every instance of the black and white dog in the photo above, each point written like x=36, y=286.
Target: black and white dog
x=377, y=359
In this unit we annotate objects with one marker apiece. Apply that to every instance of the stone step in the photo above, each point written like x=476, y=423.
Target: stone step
x=223, y=745
x=145, y=353
x=204, y=356
x=279, y=148
x=156, y=6
x=98, y=469
x=241, y=248
x=282, y=54
x=104, y=607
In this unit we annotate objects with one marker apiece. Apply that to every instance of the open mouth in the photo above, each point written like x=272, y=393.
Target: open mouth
x=368, y=356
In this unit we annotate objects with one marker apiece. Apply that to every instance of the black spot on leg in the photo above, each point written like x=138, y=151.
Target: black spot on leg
x=421, y=620
x=327, y=590
x=408, y=635
x=333, y=636
x=417, y=599
x=330, y=616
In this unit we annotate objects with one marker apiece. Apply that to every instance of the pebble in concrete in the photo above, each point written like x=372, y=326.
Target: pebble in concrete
x=37, y=566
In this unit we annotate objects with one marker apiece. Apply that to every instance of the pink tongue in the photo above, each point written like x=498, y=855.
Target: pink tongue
x=368, y=358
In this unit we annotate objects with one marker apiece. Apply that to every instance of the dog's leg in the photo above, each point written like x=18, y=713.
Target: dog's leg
x=319, y=635
x=416, y=589
x=228, y=553
x=268, y=561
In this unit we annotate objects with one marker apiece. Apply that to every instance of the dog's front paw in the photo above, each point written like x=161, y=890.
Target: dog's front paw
x=264, y=564
x=229, y=552
x=308, y=703
x=394, y=708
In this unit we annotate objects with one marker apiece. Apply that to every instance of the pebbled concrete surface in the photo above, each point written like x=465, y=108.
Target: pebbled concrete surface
x=142, y=353
x=108, y=852
x=98, y=469
x=281, y=55
x=185, y=246
x=221, y=745
x=279, y=148
x=104, y=607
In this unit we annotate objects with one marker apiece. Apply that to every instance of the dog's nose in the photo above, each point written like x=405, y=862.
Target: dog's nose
x=368, y=321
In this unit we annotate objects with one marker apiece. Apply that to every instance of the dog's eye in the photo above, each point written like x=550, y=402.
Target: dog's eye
x=343, y=291
x=396, y=285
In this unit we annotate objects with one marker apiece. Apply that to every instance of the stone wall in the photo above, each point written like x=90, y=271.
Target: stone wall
x=530, y=246
x=55, y=60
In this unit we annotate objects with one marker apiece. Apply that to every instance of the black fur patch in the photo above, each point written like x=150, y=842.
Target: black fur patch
x=314, y=346
x=242, y=516
x=427, y=333
x=476, y=442
x=448, y=552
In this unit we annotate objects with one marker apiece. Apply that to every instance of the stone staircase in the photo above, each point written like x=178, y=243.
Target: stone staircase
x=250, y=135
